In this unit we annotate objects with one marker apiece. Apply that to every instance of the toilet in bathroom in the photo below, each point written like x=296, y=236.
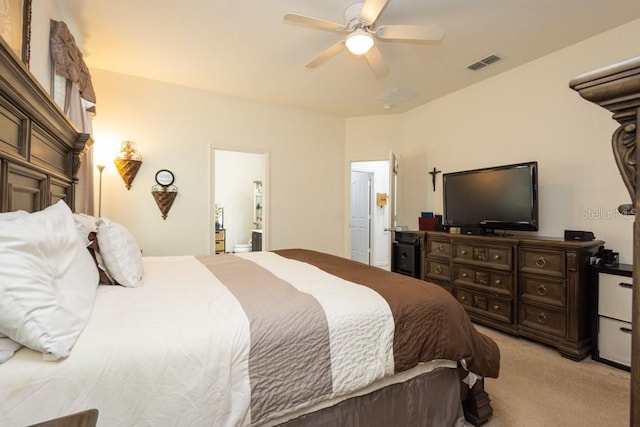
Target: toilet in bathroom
x=241, y=248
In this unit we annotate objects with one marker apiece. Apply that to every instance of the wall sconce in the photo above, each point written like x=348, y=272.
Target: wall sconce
x=164, y=192
x=100, y=169
x=128, y=162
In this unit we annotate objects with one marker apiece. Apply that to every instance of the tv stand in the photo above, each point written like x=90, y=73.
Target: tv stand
x=527, y=286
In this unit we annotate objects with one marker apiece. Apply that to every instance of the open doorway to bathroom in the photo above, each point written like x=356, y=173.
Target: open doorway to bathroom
x=239, y=208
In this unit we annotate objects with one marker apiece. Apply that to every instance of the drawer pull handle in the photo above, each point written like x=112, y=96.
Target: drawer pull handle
x=541, y=290
x=541, y=262
x=440, y=248
x=463, y=252
x=498, y=282
x=438, y=269
x=496, y=257
x=463, y=298
x=625, y=330
x=496, y=307
x=625, y=285
x=465, y=275
x=542, y=318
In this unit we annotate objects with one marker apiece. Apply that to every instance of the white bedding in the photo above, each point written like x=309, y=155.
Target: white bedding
x=175, y=350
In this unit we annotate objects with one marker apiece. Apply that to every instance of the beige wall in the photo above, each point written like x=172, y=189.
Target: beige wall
x=528, y=113
x=176, y=127
x=525, y=114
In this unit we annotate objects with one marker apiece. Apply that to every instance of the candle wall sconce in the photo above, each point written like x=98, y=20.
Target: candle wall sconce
x=128, y=162
x=164, y=192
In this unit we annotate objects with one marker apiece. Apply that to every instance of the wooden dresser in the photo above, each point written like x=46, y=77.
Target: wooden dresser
x=528, y=286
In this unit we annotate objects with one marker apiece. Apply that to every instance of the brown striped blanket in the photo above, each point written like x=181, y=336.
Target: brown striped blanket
x=303, y=312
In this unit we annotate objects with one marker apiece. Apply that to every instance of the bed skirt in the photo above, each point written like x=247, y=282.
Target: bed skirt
x=428, y=400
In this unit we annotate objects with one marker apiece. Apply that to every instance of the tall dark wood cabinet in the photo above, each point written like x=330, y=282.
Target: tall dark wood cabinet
x=527, y=286
x=617, y=89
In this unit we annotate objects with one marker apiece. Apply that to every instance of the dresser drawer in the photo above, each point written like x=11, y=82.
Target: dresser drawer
x=485, y=305
x=614, y=340
x=615, y=296
x=541, y=261
x=543, y=319
x=438, y=270
x=543, y=289
x=495, y=281
x=438, y=248
x=499, y=257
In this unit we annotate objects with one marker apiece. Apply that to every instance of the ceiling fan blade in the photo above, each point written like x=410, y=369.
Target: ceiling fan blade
x=376, y=62
x=313, y=22
x=327, y=54
x=371, y=10
x=410, y=32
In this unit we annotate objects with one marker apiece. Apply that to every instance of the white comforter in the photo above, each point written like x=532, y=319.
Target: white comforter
x=175, y=351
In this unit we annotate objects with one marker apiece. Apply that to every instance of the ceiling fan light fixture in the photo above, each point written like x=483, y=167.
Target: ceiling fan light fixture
x=359, y=42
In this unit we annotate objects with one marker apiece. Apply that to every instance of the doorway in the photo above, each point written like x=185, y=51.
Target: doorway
x=239, y=207
x=371, y=201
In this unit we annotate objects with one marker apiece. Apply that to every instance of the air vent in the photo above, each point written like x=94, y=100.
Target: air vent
x=395, y=97
x=484, y=62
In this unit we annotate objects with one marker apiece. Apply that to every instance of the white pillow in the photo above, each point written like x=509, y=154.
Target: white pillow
x=48, y=281
x=120, y=253
x=8, y=347
x=8, y=216
x=85, y=225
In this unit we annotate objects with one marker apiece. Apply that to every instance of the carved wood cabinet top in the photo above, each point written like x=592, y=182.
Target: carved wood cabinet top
x=615, y=87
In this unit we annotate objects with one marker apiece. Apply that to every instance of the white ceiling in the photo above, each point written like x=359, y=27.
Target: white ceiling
x=244, y=48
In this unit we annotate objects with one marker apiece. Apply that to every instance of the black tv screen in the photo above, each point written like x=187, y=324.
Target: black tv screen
x=497, y=198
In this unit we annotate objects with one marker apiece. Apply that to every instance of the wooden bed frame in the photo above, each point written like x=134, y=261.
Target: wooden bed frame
x=40, y=152
x=39, y=147
x=617, y=89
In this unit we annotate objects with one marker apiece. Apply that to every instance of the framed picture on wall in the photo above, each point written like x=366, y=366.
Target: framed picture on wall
x=15, y=26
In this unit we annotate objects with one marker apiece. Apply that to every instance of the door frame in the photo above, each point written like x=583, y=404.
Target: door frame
x=265, y=191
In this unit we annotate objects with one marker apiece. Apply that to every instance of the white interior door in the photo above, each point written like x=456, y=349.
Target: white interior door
x=360, y=223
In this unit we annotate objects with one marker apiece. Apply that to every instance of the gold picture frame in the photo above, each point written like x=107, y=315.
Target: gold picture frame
x=15, y=27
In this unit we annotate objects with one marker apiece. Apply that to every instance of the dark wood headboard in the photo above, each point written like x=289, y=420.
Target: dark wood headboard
x=617, y=89
x=39, y=147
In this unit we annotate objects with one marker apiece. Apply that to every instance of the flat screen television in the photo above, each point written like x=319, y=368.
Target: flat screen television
x=496, y=198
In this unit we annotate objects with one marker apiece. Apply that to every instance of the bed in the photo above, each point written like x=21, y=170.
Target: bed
x=290, y=337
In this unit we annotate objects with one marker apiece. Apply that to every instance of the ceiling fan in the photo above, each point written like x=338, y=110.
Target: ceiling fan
x=362, y=31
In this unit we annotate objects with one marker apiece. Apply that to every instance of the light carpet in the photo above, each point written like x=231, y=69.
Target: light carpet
x=537, y=387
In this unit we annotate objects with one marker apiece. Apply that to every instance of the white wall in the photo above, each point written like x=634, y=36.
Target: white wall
x=174, y=128
x=528, y=113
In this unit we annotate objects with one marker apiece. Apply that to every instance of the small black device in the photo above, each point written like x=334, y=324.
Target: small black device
x=579, y=235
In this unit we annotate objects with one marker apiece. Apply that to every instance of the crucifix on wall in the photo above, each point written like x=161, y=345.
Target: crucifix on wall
x=433, y=174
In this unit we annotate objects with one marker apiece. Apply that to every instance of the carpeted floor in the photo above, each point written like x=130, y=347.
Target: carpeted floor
x=537, y=387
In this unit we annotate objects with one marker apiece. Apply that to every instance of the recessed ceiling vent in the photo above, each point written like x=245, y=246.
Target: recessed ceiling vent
x=484, y=62
x=395, y=97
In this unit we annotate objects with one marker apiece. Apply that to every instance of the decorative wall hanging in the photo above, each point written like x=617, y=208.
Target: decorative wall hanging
x=164, y=192
x=128, y=162
x=433, y=174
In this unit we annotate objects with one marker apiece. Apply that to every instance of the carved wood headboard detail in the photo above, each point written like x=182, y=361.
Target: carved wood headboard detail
x=40, y=148
x=617, y=88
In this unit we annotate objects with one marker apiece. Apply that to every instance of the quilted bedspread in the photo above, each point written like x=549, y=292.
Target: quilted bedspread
x=240, y=340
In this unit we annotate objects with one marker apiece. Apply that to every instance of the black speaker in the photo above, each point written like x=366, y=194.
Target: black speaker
x=578, y=235
x=476, y=231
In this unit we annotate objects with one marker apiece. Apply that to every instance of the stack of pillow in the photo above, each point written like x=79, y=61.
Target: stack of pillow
x=49, y=279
